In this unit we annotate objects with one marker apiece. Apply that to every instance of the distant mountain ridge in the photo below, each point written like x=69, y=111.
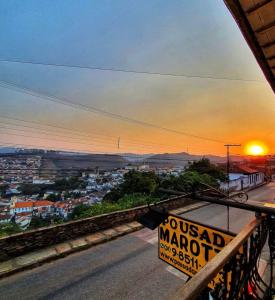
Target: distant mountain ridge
x=175, y=159
x=62, y=160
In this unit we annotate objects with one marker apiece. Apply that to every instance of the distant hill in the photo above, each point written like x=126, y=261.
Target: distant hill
x=63, y=163
x=178, y=159
x=71, y=163
x=169, y=160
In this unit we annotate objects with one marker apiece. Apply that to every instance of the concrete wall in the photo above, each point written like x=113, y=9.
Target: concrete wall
x=21, y=243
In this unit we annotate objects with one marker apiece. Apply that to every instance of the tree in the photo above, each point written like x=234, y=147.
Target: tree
x=135, y=182
x=188, y=181
x=113, y=196
x=37, y=222
x=139, y=182
x=80, y=210
x=30, y=189
x=204, y=166
x=70, y=183
x=54, y=197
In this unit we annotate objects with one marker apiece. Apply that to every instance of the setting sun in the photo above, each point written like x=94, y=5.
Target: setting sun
x=256, y=148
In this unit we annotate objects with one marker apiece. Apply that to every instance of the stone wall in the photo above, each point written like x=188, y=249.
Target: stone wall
x=21, y=243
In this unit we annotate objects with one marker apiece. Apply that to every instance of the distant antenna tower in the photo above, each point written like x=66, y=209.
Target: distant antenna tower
x=118, y=142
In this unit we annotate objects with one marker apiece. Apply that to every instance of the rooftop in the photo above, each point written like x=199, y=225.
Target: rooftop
x=256, y=20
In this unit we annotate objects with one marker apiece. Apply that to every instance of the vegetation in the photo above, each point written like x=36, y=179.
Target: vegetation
x=188, y=181
x=204, y=166
x=127, y=201
x=54, y=197
x=141, y=188
x=70, y=183
x=32, y=189
x=8, y=229
x=143, y=183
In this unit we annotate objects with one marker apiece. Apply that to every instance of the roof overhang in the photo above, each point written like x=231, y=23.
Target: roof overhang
x=256, y=20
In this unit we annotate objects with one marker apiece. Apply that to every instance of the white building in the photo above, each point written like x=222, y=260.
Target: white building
x=41, y=208
x=243, y=178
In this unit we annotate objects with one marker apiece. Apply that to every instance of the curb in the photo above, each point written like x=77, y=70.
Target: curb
x=38, y=258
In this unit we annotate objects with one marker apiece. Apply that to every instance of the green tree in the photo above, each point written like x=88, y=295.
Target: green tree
x=188, y=181
x=37, y=222
x=54, y=197
x=30, y=189
x=139, y=182
x=204, y=166
x=113, y=195
x=70, y=183
x=80, y=211
x=144, y=183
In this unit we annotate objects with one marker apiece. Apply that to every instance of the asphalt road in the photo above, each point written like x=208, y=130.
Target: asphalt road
x=126, y=268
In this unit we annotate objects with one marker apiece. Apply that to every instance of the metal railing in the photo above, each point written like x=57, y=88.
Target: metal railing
x=237, y=265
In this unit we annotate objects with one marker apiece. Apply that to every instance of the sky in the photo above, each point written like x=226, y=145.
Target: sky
x=194, y=38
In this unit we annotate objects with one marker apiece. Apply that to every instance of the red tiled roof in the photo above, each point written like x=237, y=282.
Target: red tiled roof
x=43, y=203
x=246, y=170
x=23, y=204
x=33, y=203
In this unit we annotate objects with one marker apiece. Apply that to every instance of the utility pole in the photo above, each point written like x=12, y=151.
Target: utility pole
x=228, y=171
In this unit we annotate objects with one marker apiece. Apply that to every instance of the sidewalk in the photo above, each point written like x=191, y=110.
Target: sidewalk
x=37, y=258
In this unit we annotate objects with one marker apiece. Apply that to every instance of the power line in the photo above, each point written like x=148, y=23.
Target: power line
x=13, y=86
x=56, y=127
x=125, y=70
x=84, y=134
x=78, y=132
x=97, y=138
x=79, y=140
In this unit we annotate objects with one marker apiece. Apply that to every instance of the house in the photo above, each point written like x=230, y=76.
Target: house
x=41, y=181
x=23, y=219
x=243, y=177
x=255, y=177
x=40, y=207
x=62, y=209
x=18, y=207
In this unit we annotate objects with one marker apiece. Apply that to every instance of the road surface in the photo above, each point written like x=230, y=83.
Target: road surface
x=126, y=268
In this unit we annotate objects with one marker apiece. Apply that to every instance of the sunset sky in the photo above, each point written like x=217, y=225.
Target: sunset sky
x=178, y=37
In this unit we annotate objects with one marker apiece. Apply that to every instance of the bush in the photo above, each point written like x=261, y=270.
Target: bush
x=127, y=201
x=8, y=229
x=188, y=181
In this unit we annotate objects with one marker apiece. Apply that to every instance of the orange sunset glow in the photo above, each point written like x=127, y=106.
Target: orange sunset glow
x=256, y=148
